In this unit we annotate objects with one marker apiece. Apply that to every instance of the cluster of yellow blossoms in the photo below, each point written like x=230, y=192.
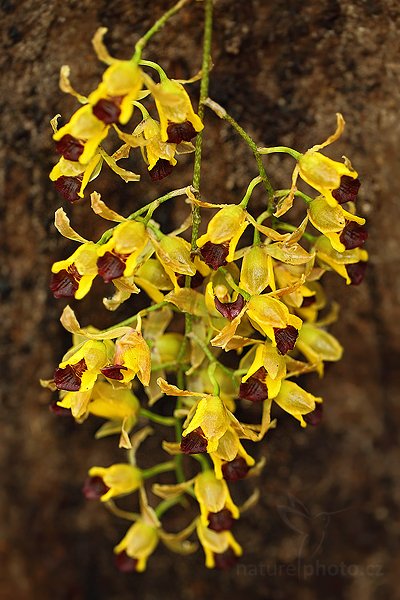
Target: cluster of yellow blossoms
x=258, y=298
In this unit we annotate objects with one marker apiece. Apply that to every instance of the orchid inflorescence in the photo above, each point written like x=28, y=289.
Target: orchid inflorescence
x=261, y=301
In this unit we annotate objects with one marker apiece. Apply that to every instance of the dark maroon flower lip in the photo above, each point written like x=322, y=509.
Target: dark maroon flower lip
x=70, y=377
x=111, y=266
x=285, y=338
x=230, y=310
x=347, y=190
x=161, y=169
x=59, y=411
x=195, y=281
x=108, y=110
x=314, y=417
x=253, y=389
x=356, y=272
x=114, y=372
x=68, y=187
x=225, y=560
x=235, y=469
x=94, y=488
x=194, y=443
x=353, y=235
x=125, y=563
x=69, y=147
x=308, y=301
x=214, y=255
x=65, y=283
x=180, y=132
x=221, y=520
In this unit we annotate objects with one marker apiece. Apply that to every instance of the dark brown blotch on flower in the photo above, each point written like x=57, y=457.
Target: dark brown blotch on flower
x=353, y=235
x=111, y=266
x=235, y=469
x=253, y=389
x=225, y=560
x=161, y=169
x=230, y=310
x=195, y=281
x=107, y=110
x=68, y=187
x=69, y=147
x=314, y=417
x=69, y=378
x=348, y=189
x=59, y=411
x=285, y=338
x=125, y=563
x=308, y=301
x=114, y=372
x=65, y=283
x=356, y=272
x=214, y=255
x=180, y=132
x=195, y=442
x=221, y=520
x=94, y=488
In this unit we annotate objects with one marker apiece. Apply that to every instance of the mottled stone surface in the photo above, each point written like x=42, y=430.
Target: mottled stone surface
x=282, y=69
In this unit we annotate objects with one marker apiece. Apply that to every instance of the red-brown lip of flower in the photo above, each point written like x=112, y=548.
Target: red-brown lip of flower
x=253, y=389
x=347, y=190
x=356, y=272
x=180, y=132
x=225, y=560
x=195, y=281
x=308, y=301
x=194, y=442
x=108, y=110
x=161, y=169
x=111, y=266
x=214, y=255
x=114, y=372
x=59, y=411
x=125, y=563
x=353, y=235
x=69, y=378
x=221, y=520
x=69, y=187
x=230, y=310
x=94, y=488
x=69, y=147
x=235, y=469
x=285, y=338
x=65, y=283
x=314, y=417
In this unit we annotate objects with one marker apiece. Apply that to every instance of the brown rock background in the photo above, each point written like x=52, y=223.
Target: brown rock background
x=282, y=69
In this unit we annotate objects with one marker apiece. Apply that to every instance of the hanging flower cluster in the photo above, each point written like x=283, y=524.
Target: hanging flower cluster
x=250, y=286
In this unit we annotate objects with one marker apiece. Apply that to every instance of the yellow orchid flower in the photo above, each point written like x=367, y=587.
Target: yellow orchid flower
x=272, y=317
x=178, y=120
x=213, y=419
x=344, y=230
x=257, y=272
x=267, y=370
x=119, y=256
x=120, y=479
x=73, y=276
x=220, y=548
x=296, y=401
x=71, y=177
x=132, y=357
x=318, y=345
x=138, y=544
x=350, y=264
x=174, y=253
x=158, y=154
x=224, y=231
x=216, y=505
x=228, y=451
x=80, y=370
x=119, y=406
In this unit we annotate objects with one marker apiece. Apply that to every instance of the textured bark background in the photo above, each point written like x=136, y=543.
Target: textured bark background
x=282, y=69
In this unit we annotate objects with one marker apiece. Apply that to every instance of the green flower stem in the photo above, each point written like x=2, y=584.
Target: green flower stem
x=153, y=65
x=211, y=375
x=170, y=366
x=280, y=193
x=118, y=512
x=249, y=191
x=178, y=458
x=167, y=504
x=143, y=110
x=167, y=421
x=202, y=459
x=157, y=469
x=221, y=112
x=155, y=28
x=233, y=285
x=284, y=149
